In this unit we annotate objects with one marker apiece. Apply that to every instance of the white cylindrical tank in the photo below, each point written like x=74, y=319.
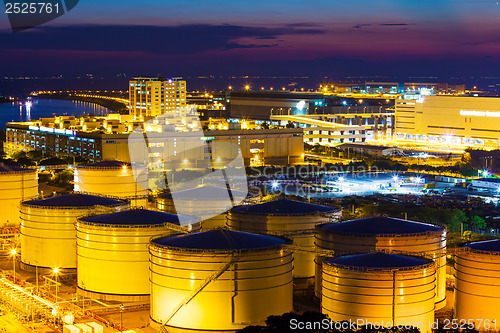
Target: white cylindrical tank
x=477, y=284
x=381, y=289
x=388, y=234
x=207, y=204
x=114, y=178
x=16, y=184
x=112, y=252
x=294, y=219
x=230, y=279
x=47, y=228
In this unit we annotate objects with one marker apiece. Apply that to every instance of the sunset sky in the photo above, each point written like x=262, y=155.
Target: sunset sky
x=438, y=37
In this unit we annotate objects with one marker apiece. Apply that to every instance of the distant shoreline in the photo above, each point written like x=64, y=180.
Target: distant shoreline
x=109, y=104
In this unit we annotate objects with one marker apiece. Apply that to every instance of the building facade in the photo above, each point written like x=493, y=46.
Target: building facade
x=150, y=97
x=265, y=146
x=453, y=120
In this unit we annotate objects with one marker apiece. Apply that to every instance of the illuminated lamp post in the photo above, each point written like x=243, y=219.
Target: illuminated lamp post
x=121, y=317
x=13, y=252
x=56, y=271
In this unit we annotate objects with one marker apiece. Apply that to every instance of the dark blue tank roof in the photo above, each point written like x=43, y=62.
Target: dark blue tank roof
x=379, y=260
x=74, y=200
x=284, y=207
x=379, y=225
x=106, y=164
x=133, y=217
x=220, y=240
x=4, y=168
x=488, y=246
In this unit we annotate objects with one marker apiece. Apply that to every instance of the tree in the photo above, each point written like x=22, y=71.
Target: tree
x=477, y=222
x=63, y=179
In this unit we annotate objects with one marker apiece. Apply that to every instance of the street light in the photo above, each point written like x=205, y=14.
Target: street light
x=121, y=317
x=14, y=252
x=56, y=271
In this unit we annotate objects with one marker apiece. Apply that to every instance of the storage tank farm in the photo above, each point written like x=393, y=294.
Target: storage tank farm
x=116, y=178
x=112, y=252
x=477, y=284
x=16, y=184
x=201, y=204
x=388, y=234
x=293, y=219
x=379, y=289
x=47, y=228
x=219, y=280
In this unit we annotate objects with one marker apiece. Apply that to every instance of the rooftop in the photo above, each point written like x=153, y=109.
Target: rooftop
x=380, y=225
x=284, y=207
x=378, y=260
x=220, y=240
x=487, y=246
x=133, y=217
x=75, y=200
x=105, y=164
x=4, y=168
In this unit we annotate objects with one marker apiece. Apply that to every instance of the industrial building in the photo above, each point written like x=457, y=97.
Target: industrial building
x=16, y=184
x=379, y=288
x=112, y=255
x=486, y=184
x=449, y=120
x=267, y=146
x=114, y=178
x=152, y=96
x=294, y=219
x=366, y=149
x=388, y=234
x=47, y=228
x=433, y=88
x=259, y=105
x=219, y=280
x=477, y=284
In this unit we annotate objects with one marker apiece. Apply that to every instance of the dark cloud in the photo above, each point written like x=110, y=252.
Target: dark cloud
x=394, y=24
x=175, y=40
x=359, y=26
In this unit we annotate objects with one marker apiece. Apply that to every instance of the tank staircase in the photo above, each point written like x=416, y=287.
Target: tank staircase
x=196, y=291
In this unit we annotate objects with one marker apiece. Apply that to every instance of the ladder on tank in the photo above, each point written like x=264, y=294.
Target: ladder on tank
x=196, y=291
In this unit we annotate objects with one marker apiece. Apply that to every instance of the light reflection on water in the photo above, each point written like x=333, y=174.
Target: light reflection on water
x=41, y=108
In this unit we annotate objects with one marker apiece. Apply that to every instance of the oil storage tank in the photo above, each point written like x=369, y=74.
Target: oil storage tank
x=219, y=280
x=16, y=184
x=379, y=289
x=207, y=204
x=294, y=219
x=47, y=227
x=116, y=178
x=477, y=284
x=389, y=234
x=112, y=252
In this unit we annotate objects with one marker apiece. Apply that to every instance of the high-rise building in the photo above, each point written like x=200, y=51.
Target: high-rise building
x=152, y=96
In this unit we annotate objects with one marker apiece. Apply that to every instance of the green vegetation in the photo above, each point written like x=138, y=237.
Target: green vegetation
x=34, y=158
x=453, y=218
x=62, y=179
